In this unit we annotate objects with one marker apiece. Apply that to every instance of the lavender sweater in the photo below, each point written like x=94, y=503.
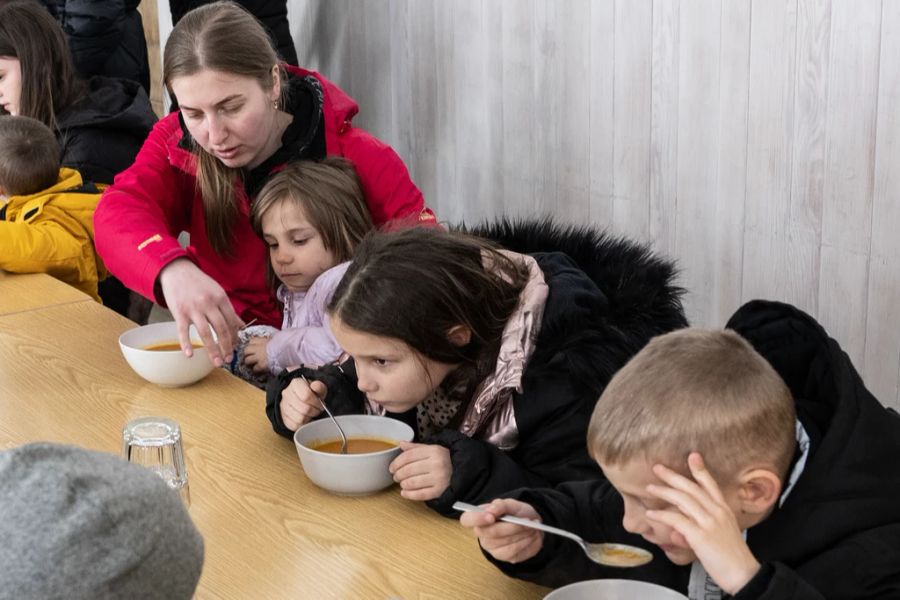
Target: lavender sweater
x=305, y=337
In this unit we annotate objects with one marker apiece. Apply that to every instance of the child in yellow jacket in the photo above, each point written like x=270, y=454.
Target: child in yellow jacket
x=46, y=212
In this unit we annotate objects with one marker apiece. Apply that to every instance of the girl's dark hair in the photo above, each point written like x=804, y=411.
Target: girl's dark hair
x=415, y=285
x=49, y=81
x=221, y=36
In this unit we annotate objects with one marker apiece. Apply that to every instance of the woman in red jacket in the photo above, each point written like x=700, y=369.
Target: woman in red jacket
x=242, y=117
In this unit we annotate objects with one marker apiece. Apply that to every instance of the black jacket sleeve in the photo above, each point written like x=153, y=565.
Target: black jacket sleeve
x=481, y=472
x=866, y=565
x=342, y=398
x=552, y=422
x=592, y=509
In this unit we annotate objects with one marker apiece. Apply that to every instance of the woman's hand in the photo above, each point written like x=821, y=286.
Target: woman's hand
x=300, y=402
x=505, y=541
x=422, y=470
x=255, y=355
x=194, y=298
x=701, y=518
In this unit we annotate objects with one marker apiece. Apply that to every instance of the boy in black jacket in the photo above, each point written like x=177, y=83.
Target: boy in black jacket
x=768, y=491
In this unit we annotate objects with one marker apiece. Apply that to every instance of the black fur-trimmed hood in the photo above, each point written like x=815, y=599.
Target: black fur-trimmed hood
x=588, y=334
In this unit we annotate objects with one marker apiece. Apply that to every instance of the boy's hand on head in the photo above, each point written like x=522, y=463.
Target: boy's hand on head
x=505, y=541
x=422, y=470
x=300, y=402
x=702, y=519
x=255, y=355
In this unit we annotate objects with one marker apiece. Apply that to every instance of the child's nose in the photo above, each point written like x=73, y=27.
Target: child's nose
x=364, y=383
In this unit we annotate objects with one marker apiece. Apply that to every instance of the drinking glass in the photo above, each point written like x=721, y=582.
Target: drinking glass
x=155, y=443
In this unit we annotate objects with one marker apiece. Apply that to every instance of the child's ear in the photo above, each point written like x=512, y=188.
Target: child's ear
x=459, y=335
x=759, y=490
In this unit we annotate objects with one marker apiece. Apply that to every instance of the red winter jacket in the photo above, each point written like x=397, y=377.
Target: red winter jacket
x=140, y=215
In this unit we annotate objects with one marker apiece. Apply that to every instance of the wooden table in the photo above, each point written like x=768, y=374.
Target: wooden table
x=269, y=532
x=35, y=290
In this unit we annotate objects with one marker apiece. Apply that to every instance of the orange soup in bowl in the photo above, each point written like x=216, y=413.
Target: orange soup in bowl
x=355, y=445
x=168, y=346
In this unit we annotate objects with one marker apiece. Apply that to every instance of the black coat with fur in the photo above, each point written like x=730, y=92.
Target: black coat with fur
x=606, y=300
x=641, y=298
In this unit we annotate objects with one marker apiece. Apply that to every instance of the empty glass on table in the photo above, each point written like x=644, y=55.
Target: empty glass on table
x=155, y=443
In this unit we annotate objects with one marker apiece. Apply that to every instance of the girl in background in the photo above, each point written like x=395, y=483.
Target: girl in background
x=495, y=358
x=311, y=215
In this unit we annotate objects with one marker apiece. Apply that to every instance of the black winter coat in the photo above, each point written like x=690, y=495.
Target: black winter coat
x=106, y=37
x=587, y=333
x=101, y=134
x=272, y=14
x=837, y=536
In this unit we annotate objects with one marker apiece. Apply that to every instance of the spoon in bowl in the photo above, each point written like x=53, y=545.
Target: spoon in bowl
x=330, y=416
x=610, y=555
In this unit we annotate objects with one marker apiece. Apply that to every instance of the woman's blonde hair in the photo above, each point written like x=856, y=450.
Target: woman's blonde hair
x=221, y=36
x=331, y=198
x=696, y=390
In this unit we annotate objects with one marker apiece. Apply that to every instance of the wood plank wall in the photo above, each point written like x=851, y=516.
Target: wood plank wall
x=758, y=141
x=149, y=10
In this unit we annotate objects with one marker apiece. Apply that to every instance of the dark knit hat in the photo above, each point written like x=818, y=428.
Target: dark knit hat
x=79, y=524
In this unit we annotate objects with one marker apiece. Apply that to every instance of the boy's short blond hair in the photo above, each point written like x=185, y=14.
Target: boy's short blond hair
x=696, y=390
x=29, y=156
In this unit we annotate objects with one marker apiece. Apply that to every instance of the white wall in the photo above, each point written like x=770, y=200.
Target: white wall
x=754, y=141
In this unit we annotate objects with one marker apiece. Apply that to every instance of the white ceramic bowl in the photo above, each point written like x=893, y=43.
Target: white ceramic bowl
x=169, y=368
x=614, y=589
x=350, y=474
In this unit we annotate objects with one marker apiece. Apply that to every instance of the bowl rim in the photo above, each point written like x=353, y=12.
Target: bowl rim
x=589, y=582
x=314, y=452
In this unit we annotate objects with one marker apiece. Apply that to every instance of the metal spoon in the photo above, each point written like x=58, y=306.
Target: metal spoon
x=611, y=555
x=330, y=416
